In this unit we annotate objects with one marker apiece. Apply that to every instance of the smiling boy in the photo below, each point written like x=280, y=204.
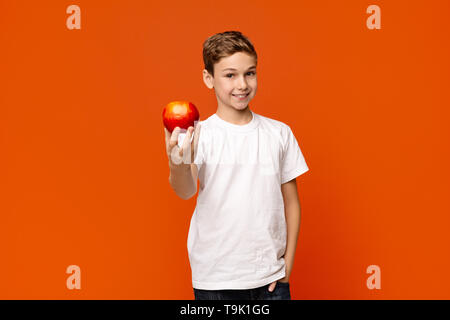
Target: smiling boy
x=243, y=233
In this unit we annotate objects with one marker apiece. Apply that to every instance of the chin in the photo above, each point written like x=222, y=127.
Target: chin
x=240, y=108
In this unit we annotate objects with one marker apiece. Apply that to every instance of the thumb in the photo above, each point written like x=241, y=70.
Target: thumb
x=272, y=286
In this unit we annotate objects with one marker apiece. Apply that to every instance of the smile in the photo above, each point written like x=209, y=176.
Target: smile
x=240, y=96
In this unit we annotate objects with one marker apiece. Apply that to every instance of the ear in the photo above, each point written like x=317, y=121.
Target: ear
x=208, y=79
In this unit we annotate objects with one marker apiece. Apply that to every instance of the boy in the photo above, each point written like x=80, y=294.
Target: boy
x=243, y=233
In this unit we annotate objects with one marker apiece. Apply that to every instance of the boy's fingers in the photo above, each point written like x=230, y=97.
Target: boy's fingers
x=174, y=137
x=167, y=136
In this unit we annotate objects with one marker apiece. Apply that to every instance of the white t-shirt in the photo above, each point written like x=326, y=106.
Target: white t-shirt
x=237, y=234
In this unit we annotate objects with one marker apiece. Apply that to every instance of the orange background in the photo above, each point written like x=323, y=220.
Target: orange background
x=84, y=175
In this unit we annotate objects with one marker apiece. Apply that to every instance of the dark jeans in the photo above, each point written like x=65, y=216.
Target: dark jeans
x=281, y=292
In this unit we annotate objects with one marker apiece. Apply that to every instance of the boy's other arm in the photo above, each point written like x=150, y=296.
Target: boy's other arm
x=292, y=214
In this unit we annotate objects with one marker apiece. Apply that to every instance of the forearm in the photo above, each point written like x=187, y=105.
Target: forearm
x=292, y=213
x=182, y=181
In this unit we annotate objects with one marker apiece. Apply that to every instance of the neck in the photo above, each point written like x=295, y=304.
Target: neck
x=239, y=117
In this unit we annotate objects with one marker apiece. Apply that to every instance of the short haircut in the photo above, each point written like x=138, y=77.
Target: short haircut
x=225, y=44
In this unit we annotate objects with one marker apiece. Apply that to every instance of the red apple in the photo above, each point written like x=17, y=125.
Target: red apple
x=181, y=114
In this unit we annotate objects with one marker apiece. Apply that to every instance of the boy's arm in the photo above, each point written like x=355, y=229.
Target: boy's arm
x=183, y=179
x=292, y=214
x=183, y=176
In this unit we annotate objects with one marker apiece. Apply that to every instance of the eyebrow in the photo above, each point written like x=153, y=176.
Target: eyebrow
x=252, y=67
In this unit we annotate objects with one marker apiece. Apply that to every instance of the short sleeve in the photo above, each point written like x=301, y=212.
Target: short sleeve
x=293, y=163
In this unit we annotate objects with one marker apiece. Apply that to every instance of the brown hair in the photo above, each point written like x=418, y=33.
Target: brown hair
x=223, y=45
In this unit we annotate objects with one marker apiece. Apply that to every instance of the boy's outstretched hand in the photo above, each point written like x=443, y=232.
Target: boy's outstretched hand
x=186, y=154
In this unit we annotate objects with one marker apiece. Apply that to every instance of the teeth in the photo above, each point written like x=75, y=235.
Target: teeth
x=240, y=95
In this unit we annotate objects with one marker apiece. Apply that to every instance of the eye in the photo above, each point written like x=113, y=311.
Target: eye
x=248, y=73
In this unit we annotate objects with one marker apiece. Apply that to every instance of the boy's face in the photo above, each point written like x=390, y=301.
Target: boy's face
x=233, y=75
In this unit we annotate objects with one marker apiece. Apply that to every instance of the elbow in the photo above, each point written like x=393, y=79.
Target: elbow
x=186, y=197
x=183, y=192
x=191, y=194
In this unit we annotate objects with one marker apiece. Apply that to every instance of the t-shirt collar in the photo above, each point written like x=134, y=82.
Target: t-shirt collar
x=236, y=127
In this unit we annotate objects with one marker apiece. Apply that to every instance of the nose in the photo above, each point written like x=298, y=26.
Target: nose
x=242, y=84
